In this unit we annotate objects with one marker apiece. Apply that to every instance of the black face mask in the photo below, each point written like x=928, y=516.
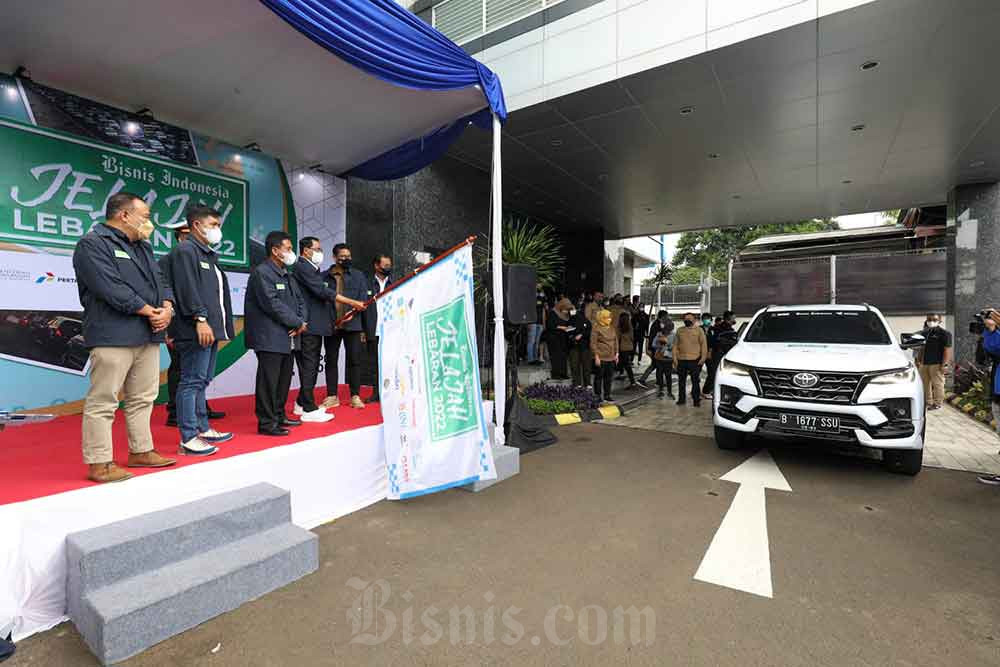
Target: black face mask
x=345, y=264
x=689, y=323
x=385, y=272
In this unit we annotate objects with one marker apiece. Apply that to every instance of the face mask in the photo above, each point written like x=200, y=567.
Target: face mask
x=345, y=264
x=689, y=323
x=288, y=258
x=213, y=235
x=145, y=230
x=706, y=322
x=933, y=324
x=317, y=258
x=386, y=272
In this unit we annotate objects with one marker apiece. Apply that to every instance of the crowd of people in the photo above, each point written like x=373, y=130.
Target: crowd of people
x=592, y=340
x=133, y=304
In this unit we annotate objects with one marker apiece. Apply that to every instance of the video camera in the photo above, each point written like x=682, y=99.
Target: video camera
x=978, y=323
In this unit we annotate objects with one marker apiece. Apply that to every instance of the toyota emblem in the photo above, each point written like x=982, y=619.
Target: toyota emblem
x=805, y=380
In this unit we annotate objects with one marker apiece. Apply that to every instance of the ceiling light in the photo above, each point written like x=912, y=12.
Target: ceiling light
x=686, y=111
x=602, y=177
x=977, y=164
x=132, y=127
x=238, y=157
x=736, y=196
x=713, y=156
x=847, y=181
x=301, y=175
x=858, y=127
x=869, y=65
x=11, y=92
x=649, y=209
x=556, y=143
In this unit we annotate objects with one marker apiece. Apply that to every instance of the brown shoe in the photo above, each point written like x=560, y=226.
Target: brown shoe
x=356, y=402
x=104, y=473
x=331, y=402
x=150, y=459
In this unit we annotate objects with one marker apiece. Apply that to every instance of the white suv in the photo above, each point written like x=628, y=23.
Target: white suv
x=827, y=372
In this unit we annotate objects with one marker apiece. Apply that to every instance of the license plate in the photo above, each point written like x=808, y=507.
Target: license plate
x=811, y=423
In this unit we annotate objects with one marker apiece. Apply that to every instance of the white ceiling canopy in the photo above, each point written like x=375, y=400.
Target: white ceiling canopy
x=230, y=69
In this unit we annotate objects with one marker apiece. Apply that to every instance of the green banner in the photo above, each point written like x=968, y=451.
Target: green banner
x=449, y=363
x=54, y=188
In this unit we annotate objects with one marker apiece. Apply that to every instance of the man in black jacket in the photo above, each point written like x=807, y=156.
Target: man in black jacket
x=127, y=307
x=352, y=292
x=377, y=282
x=205, y=317
x=319, y=300
x=181, y=233
x=275, y=317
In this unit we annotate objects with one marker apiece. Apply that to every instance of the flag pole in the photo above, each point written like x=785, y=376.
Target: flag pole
x=423, y=267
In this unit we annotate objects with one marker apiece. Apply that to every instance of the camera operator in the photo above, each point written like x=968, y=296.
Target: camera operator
x=991, y=345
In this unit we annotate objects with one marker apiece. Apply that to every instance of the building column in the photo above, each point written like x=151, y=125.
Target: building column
x=974, y=275
x=614, y=267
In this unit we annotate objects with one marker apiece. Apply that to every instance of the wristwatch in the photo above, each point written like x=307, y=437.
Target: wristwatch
x=201, y=318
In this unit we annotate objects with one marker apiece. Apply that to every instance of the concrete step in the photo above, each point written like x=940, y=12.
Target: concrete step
x=108, y=554
x=124, y=618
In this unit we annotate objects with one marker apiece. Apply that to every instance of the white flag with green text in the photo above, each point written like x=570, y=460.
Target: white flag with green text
x=432, y=405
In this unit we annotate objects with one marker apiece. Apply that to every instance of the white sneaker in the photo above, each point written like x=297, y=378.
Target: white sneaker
x=214, y=437
x=197, y=447
x=297, y=409
x=317, y=416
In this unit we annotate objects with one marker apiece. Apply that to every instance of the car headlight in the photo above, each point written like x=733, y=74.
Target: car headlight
x=898, y=376
x=733, y=368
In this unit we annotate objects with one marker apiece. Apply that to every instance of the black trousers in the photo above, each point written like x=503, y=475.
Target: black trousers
x=274, y=376
x=639, y=339
x=625, y=364
x=664, y=375
x=711, y=366
x=173, y=379
x=558, y=354
x=684, y=370
x=307, y=359
x=604, y=373
x=371, y=347
x=580, y=358
x=353, y=349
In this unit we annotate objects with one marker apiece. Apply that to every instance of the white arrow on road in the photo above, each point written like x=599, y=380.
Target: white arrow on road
x=739, y=556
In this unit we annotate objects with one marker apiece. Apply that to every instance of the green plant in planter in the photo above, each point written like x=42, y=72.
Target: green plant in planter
x=542, y=407
x=524, y=242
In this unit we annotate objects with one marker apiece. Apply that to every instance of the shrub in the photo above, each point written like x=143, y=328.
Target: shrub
x=542, y=407
x=582, y=398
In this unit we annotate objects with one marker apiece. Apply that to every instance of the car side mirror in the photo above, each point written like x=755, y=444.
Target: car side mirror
x=908, y=341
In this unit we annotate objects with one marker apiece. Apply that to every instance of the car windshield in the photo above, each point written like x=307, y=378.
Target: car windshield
x=845, y=327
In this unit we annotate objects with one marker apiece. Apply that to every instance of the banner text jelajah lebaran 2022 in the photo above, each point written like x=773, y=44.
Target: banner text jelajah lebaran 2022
x=55, y=188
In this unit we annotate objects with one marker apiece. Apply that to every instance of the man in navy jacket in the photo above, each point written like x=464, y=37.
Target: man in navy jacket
x=379, y=280
x=127, y=307
x=205, y=317
x=275, y=316
x=991, y=344
x=352, y=291
x=319, y=299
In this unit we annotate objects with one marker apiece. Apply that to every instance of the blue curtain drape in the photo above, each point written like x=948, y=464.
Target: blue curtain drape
x=388, y=42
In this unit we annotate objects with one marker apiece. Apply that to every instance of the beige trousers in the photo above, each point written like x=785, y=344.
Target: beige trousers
x=933, y=377
x=135, y=373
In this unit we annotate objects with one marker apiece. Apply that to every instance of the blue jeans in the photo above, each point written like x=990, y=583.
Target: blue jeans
x=197, y=370
x=534, y=337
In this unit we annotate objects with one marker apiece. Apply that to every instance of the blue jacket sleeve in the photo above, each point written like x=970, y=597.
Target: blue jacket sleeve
x=270, y=302
x=991, y=342
x=98, y=271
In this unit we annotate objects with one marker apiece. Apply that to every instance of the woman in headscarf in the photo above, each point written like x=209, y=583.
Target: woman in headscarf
x=604, y=346
x=557, y=327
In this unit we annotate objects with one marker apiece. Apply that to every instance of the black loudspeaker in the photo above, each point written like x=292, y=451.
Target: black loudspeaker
x=519, y=293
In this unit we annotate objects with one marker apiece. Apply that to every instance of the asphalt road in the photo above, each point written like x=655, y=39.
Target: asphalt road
x=868, y=568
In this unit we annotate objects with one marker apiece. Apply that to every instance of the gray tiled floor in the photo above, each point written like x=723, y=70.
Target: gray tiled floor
x=954, y=440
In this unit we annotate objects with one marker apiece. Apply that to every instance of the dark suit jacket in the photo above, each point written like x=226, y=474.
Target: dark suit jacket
x=371, y=314
x=273, y=307
x=319, y=296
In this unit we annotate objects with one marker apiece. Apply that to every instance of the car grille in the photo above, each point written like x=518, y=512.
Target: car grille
x=838, y=388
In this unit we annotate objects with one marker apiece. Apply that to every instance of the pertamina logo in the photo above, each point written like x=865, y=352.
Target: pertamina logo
x=49, y=277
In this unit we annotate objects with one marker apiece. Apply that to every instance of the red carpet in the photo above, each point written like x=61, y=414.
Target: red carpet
x=45, y=459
